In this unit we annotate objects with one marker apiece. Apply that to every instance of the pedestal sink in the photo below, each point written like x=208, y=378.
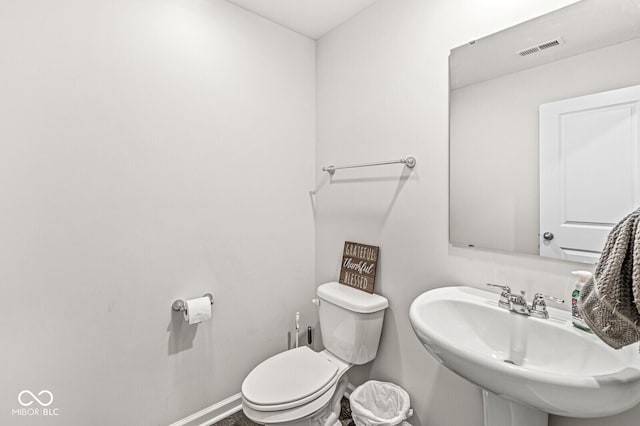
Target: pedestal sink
x=528, y=367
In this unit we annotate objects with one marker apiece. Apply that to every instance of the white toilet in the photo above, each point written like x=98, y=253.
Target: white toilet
x=303, y=387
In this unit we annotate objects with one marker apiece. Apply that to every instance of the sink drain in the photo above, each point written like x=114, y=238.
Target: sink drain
x=508, y=361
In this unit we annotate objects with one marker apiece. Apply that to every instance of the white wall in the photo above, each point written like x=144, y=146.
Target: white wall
x=150, y=150
x=494, y=133
x=382, y=94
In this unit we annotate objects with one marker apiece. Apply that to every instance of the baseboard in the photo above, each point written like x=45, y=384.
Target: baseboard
x=214, y=413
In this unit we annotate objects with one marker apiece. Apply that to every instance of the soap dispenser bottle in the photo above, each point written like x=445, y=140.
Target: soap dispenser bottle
x=576, y=316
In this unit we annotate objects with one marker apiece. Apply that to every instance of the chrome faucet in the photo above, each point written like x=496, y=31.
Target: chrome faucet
x=518, y=304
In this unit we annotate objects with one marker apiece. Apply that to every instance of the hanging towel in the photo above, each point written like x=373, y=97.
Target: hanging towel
x=609, y=300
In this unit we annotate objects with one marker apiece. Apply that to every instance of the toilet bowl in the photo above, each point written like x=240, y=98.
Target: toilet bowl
x=303, y=387
x=295, y=387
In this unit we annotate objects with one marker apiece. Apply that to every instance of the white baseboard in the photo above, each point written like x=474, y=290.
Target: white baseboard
x=214, y=413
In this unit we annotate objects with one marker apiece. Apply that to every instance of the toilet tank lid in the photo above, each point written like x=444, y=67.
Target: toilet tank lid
x=352, y=299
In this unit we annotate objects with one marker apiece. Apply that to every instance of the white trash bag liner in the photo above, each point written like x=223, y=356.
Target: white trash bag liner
x=380, y=404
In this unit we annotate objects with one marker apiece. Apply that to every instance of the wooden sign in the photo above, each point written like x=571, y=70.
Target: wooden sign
x=358, y=268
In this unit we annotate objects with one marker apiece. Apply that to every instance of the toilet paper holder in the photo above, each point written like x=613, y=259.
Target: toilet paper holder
x=180, y=306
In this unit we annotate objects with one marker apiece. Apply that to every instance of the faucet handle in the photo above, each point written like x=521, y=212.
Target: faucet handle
x=505, y=288
x=539, y=306
x=547, y=297
x=504, y=301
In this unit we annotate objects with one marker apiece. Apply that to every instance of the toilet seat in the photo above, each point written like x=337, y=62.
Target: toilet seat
x=289, y=379
x=292, y=414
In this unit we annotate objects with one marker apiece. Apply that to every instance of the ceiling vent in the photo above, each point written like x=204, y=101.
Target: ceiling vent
x=540, y=47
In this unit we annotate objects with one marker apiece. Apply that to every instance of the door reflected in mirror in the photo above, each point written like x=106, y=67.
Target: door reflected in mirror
x=507, y=91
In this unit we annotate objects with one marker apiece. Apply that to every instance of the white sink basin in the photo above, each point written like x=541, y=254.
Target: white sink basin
x=543, y=363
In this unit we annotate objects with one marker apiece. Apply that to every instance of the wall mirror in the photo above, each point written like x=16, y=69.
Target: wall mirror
x=544, y=132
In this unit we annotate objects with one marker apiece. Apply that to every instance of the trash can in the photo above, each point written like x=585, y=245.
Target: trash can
x=377, y=403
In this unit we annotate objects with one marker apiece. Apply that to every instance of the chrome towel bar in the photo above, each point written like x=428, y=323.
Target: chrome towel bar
x=410, y=162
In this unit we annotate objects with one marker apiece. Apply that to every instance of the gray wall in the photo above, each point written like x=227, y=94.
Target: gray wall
x=382, y=94
x=144, y=157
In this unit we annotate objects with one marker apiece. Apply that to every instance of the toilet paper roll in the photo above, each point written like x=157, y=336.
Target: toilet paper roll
x=198, y=310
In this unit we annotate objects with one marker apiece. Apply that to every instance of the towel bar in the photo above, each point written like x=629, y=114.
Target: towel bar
x=410, y=162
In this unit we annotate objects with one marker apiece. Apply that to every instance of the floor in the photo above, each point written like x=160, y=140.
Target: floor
x=239, y=419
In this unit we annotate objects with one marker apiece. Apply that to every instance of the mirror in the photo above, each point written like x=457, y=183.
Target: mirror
x=501, y=88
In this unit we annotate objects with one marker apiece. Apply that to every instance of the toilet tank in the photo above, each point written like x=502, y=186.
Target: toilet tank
x=350, y=322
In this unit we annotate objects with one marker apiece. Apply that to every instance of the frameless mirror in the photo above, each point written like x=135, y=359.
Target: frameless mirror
x=544, y=132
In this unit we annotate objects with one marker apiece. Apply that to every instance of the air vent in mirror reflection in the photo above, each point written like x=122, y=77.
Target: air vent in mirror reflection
x=540, y=47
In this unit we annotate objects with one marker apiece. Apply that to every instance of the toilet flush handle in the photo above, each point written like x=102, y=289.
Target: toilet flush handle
x=315, y=302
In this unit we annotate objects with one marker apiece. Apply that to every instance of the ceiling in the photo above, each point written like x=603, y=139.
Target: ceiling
x=580, y=27
x=312, y=18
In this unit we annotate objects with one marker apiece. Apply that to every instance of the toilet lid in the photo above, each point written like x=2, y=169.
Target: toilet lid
x=287, y=377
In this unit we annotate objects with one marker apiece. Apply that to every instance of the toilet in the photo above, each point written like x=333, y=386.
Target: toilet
x=303, y=387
